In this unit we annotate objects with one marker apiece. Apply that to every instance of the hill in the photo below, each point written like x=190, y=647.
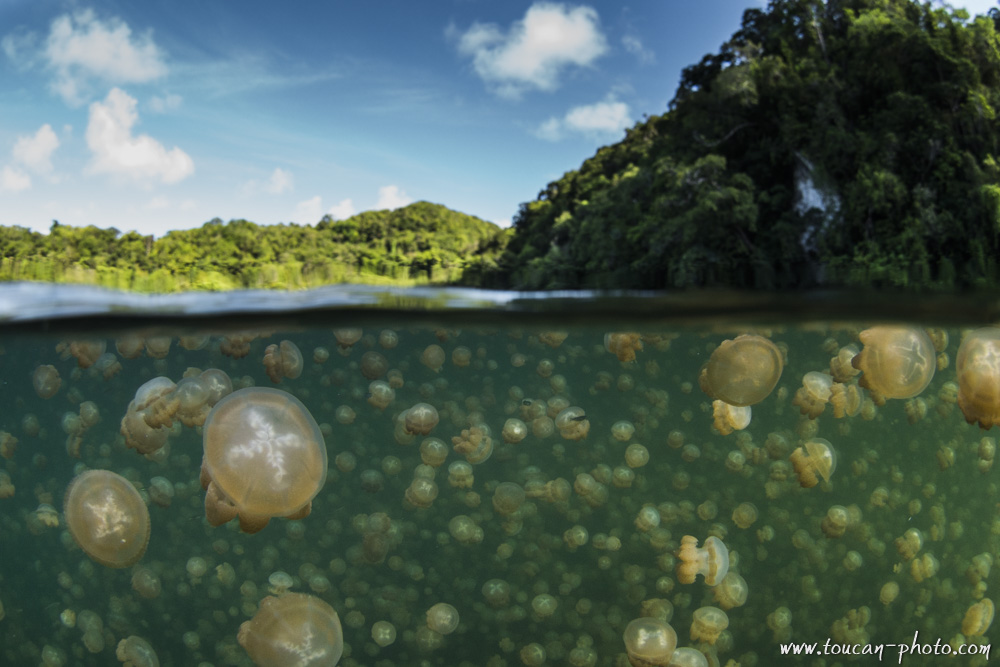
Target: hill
x=838, y=143
x=422, y=243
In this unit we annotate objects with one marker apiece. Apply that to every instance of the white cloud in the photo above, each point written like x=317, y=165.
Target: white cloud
x=35, y=152
x=536, y=49
x=165, y=103
x=309, y=211
x=281, y=181
x=158, y=202
x=634, y=46
x=391, y=197
x=13, y=180
x=600, y=119
x=81, y=48
x=343, y=210
x=116, y=151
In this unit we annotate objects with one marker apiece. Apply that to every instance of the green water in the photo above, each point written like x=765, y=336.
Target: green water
x=784, y=556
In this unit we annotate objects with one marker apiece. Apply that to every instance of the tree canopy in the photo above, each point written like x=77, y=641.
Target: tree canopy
x=836, y=143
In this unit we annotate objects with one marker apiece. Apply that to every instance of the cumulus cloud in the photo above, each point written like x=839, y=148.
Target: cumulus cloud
x=165, y=103
x=116, y=151
x=536, y=49
x=342, y=210
x=82, y=50
x=600, y=119
x=35, y=151
x=13, y=180
x=391, y=197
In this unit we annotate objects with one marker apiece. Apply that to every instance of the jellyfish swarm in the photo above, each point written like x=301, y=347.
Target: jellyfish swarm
x=895, y=362
x=293, y=629
x=264, y=456
x=107, y=518
x=978, y=369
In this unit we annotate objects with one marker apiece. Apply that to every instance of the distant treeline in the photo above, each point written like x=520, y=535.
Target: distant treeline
x=418, y=244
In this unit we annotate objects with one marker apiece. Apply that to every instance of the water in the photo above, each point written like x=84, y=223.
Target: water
x=897, y=470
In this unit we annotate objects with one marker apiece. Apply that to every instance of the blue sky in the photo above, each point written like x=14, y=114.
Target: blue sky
x=161, y=115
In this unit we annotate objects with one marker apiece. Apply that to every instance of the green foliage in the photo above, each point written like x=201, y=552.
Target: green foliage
x=421, y=243
x=887, y=107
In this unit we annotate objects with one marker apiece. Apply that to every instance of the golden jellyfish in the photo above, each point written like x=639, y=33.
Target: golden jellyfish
x=688, y=657
x=475, y=443
x=727, y=418
x=46, y=381
x=978, y=371
x=835, y=522
x=373, y=365
x=731, y=592
x=623, y=345
x=707, y=623
x=816, y=458
x=380, y=394
x=461, y=356
x=264, y=457
x=553, y=338
x=135, y=651
x=710, y=561
x=421, y=419
x=978, y=618
x=442, y=618
x=649, y=642
x=293, y=629
x=130, y=345
x=742, y=371
x=572, y=423
x=508, y=498
x=896, y=361
x=383, y=633
x=433, y=357
x=107, y=518
x=86, y=351
x=514, y=431
x=347, y=337
x=811, y=398
x=283, y=360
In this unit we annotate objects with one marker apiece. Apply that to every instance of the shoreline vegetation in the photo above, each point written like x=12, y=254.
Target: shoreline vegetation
x=828, y=144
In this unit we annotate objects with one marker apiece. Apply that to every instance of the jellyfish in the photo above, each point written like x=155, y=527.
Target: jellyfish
x=293, y=629
x=283, y=360
x=895, y=362
x=978, y=618
x=135, y=651
x=710, y=561
x=649, y=642
x=433, y=357
x=623, y=345
x=46, y=381
x=264, y=457
x=816, y=457
x=742, y=371
x=727, y=418
x=707, y=624
x=421, y=419
x=107, y=518
x=978, y=370
x=442, y=618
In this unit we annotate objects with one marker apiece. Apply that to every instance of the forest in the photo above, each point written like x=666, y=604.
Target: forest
x=828, y=143
x=845, y=143
x=419, y=244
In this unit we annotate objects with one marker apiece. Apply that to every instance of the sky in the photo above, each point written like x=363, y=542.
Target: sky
x=164, y=114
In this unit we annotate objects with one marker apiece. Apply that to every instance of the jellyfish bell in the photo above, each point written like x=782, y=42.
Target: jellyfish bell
x=264, y=457
x=293, y=629
x=283, y=360
x=46, y=381
x=649, y=642
x=421, y=419
x=727, y=418
x=107, y=518
x=816, y=458
x=896, y=361
x=710, y=561
x=978, y=370
x=742, y=371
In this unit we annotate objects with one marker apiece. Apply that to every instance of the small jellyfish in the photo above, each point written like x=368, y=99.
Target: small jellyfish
x=508, y=498
x=433, y=357
x=978, y=371
x=442, y=618
x=264, y=456
x=623, y=345
x=727, y=418
x=46, y=381
x=421, y=419
x=895, y=362
x=707, y=623
x=710, y=561
x=811, y=398
x=649, y=642
x=978, y=618
x=293, y=629
x=572, y=423
x=136, y=652
x=107, y=518
x=816, y=457
x=742, y=371
x=283, y=360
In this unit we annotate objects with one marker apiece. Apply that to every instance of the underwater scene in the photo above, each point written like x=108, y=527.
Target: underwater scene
x=369, y=491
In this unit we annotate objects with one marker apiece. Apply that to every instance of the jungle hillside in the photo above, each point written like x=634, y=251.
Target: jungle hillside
x=845, y=143
x=828, y=143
